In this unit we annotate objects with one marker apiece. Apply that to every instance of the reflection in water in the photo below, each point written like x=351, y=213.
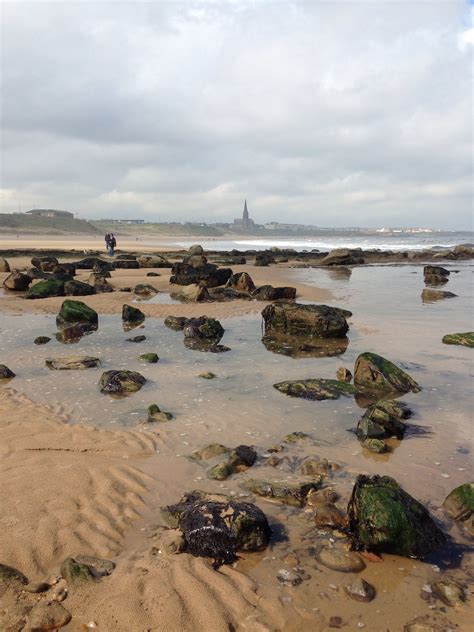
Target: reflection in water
x=74, y=333
x=304, y=347
x=339, y=273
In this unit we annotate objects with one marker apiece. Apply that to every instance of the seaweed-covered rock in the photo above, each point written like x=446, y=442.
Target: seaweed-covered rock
x=313, y=321
x=71, y=363
x=430, y=296
x=384, y=518
x=459, y=504
x=132, y=315
x=220, y=528
x=156, y=414
x=289, y=494
x=383, y=419
x=150, y=357
x=121, y=382
x=177, y=323
x=64, y=270
x=373, y=372
x=316, y=389
x=75, y=573
x=17, y=281
x=451, y=592
x=5, y=372
x=4, y=265
x=242, y=282
x=242, y=457
x=78, y=288
x=375, y=445
x=221, y=471
x=76, y=312
x=465, y=339
x=46, y=288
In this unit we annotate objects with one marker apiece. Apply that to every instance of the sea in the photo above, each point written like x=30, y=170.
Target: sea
x=380, y=241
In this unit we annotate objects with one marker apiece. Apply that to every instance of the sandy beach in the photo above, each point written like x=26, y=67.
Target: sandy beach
x=74, y=487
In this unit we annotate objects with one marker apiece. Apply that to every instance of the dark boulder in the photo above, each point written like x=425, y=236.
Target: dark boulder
x=270, y=293
x=219, y=528
x=17, y=281
x=207, y=275
x=435, y=275
x=126, y=264
x=44, y=263
x=374, y=372
x=64, y=269
x=46, y=288
x=143, y=289
x=177, y=323
x=76, y=313
x=94, y=263
x=5, y=372
x=383, y=420
x=78, y=288
x=242, y=282
x=459, y=504
x=264, y=258
x=204, y=328
x=121, y=382
x=41, y=340
x=313, y=321
x=132, y=315
x=384, y=518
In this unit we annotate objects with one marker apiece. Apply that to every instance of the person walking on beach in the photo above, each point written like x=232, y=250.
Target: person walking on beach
x=112, y=244
x=107, y=242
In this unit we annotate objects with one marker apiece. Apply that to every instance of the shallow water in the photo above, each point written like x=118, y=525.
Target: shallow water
x=241, y=406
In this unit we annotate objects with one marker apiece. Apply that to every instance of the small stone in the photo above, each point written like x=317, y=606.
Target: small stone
x=75, y=573
x=156, y=414
x=98, y=565
x=41, y=340
x=48, y=615
x=336, y=622
x=337, y=559
x=37, y=587
x=296, y=437
x=289, y=577
x=221, y=471
x=136, y=339
x=209, y=452
x=60, y=594
x=208, y=375
x=360, y=590
x=450, y=592
x=151, y=358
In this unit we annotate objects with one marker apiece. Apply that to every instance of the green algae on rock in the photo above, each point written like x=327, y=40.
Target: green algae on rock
x=121, y=382
x=374, y=372
x=382, y=420
x=375, y=445
x=46, y=288
x=150, y=357
x=316, y=389
x=385, y=518
x=75, y=573
x=156, y=414
x=465, y=339
x=76, y=312
x=288, y=494
x=459, y=504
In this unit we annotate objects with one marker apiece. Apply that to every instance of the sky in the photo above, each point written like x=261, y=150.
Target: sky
x=337, y=113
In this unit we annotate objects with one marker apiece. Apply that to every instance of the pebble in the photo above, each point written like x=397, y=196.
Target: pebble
x=360, y=590
x=336, y=622
x=289, y=577
x=60, y=594
x=48, y=615
x=338, y=559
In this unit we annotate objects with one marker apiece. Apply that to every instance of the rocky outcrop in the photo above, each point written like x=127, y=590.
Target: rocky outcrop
x=76, y=313
x=384, y=518
x=17, y=281
x=384, y=419
x=5, y=372
x=218, y=527
x=312, y=321
x=435, y=275
x=192, y=294
x=45, y=289
x=4, y=265
x=207, y=275
x=72, y=363
x=343, y=257
x=316, y=389
x=78, y=288
x=270, y=293
x=430, y=296
x=465, y=339
x=374, y=372
x=121, y=382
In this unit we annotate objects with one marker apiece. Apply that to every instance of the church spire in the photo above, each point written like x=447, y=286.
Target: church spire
x=245, y=215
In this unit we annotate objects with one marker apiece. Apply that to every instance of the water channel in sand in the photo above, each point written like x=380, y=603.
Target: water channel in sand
x=241, y=406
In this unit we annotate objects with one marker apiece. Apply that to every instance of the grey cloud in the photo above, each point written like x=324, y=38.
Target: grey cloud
x=355, y=113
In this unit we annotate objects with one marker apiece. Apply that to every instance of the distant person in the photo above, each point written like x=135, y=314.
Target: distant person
x=112, y=244
x=107, y=242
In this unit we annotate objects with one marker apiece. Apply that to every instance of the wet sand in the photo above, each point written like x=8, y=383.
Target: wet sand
x=79, y=473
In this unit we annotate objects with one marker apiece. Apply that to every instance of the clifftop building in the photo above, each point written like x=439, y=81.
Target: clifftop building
x=49, y=212
x=245, y=222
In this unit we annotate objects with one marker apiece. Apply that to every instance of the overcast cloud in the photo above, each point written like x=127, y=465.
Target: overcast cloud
x=331, y=113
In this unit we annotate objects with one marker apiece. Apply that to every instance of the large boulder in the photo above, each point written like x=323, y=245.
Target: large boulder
x=78, y=288
x=435, y=275
x=374, y=372
x=204, y=328
x=4, y=265
x=100, y=283
x=126, y=264
x=76, y=313
x=208, y=275
x=192, y=294
x=317, y=389
x=72, y=363
x=46, y=288
x=132, y=315
x=465, y=339
x=313, y=321
x=343, y=257
x=384, y=518
x=95, y=263
x=270, y=293
x=242, y=282
x=383, y=419
x=218, y=527
x=17, y=281
x=153, y=261
x=64, y=270
x=121, y=382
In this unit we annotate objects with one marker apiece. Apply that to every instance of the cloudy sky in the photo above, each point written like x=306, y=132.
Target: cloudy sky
x=332, y=113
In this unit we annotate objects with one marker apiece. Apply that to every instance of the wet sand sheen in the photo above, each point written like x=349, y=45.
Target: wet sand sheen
x=241, y=406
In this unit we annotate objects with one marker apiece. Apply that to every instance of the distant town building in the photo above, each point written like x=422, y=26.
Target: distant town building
x=49, y=212
x=123, y=221
x=245, y=222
